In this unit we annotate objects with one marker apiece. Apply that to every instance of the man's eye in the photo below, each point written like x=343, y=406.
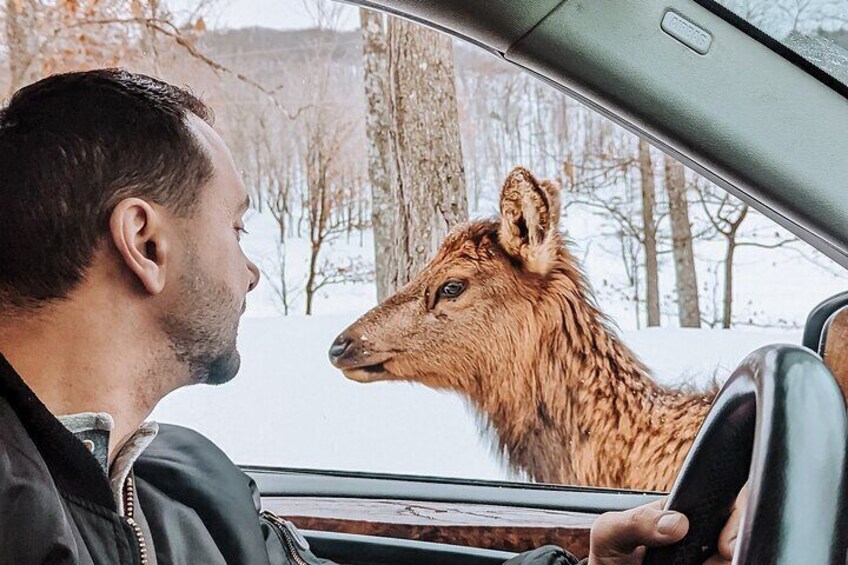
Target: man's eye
x=240, y=230
x=451, y=289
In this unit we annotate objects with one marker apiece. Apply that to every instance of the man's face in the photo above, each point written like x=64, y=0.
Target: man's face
x=214, y=274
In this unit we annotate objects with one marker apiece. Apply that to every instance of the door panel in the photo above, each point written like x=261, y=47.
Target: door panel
x=490, y=515
x=348, y=549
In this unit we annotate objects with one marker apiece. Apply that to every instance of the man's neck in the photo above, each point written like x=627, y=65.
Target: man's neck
x=76, y=363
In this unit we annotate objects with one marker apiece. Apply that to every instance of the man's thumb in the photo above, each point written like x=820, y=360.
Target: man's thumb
x=620, y=533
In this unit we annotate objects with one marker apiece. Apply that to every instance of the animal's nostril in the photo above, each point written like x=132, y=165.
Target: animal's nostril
x=339, y=347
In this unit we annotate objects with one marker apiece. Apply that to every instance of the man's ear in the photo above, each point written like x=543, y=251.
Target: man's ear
x=529, y=229
x=137, y=233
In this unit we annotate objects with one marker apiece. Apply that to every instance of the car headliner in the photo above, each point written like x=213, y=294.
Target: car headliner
x=768, y=130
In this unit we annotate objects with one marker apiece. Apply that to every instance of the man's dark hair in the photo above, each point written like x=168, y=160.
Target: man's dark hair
x=72, y=146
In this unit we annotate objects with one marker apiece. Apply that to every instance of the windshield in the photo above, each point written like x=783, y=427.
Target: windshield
x=817, y=30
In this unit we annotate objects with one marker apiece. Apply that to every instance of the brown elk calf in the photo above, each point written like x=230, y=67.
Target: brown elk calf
x=504, y=316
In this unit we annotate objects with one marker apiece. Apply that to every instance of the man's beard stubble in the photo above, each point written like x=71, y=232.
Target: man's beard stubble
x=203, y=325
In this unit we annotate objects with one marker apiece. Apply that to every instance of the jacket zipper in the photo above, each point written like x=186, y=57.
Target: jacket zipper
x=129, y=510
x=281, y=529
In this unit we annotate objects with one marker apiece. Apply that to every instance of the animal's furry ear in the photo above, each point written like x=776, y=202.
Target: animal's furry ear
x=529, y=229
x=552, y=192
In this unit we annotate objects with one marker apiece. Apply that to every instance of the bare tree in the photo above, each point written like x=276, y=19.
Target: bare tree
x=630, y=247
x=646, y=171
x=274, y=171
x=324, y=194
x=688, y=309
x=329, y=162
x=726, y=215
x=599, y=176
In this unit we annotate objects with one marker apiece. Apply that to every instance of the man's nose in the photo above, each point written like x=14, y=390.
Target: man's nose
x=339, y=348
x=254, y=275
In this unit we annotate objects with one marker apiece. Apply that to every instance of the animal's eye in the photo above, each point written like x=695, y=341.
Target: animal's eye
x=451, y=289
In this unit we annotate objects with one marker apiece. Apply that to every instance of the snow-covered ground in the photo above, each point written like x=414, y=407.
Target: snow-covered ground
x=290, y=407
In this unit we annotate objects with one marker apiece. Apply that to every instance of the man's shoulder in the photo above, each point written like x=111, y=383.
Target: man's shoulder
x=16, y=447
x=173, y=440
x=177, y=449
x=25, y=481
x=187, y=465
x=183, y=473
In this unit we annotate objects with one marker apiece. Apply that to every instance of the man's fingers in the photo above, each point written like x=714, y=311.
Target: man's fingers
x=727, y=539
x=727, y=544
x=619, y=534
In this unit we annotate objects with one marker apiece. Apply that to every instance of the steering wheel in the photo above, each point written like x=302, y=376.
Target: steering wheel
x=779, y=424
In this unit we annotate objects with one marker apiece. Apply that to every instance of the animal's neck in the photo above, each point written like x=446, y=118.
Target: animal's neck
x=586, y=403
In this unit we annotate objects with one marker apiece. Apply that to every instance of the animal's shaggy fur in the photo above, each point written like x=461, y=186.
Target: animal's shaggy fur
x=525, y=344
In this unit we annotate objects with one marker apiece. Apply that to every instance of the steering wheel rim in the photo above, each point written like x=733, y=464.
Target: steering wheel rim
x=779, y=424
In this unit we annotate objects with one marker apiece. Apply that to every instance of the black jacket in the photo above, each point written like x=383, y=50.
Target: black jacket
x=56, y=506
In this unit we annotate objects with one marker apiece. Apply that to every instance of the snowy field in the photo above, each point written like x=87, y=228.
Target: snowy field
x=290, y=407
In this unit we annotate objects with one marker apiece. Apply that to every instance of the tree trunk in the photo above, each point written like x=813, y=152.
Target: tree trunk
x=281, y=249
x=730, y=235
x=320, y=205
x=382, y=164
x=688, y=310
x=310, y=281
x=727, y=312
x=431, y=196
x=646, y=168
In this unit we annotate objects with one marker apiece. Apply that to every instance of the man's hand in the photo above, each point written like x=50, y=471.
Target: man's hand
x=620, y=538
x=727, y=538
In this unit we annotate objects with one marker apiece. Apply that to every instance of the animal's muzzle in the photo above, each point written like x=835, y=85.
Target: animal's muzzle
x=339, y=348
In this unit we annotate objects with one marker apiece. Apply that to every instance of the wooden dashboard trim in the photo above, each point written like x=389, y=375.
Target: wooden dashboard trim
x=502, y=528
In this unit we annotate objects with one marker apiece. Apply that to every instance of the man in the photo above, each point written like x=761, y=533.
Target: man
x=122, y=279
